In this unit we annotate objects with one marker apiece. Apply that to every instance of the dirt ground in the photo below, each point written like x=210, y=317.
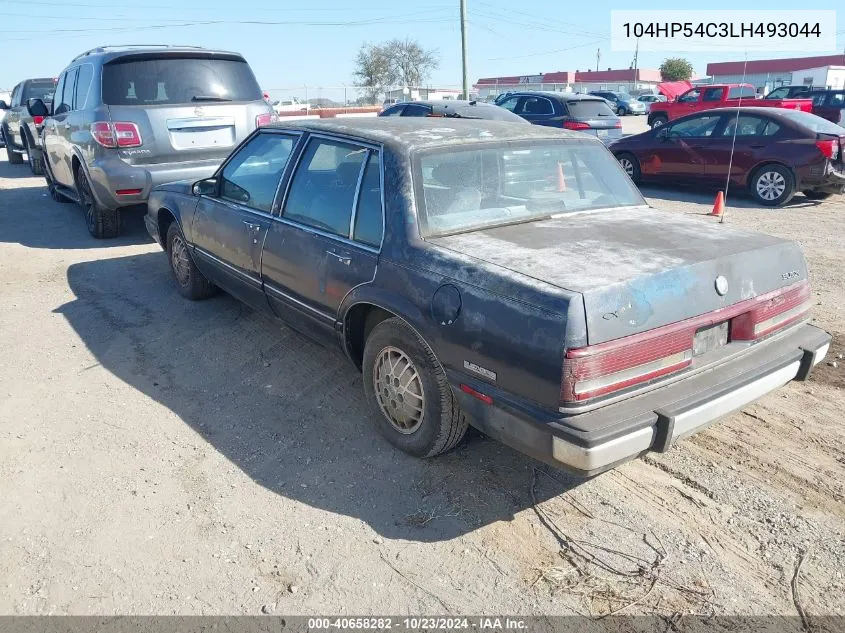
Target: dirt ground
x=159, y=456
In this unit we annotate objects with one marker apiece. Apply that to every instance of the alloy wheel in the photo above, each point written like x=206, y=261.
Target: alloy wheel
x=771, y=185
x=628, y=166
x=399, y=390
x=88, y=204
x=180, y=260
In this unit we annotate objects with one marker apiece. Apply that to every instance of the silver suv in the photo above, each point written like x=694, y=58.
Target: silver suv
x=125, y=119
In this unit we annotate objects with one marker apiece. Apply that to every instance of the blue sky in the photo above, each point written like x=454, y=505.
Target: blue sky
x=292, y=43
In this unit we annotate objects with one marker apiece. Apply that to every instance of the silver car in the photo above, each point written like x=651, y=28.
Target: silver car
x=126, y=119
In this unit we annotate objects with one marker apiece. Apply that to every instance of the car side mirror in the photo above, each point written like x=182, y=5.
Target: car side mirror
x=36, y=107
x=3, y=105
x=207, y=187
x=663, y=134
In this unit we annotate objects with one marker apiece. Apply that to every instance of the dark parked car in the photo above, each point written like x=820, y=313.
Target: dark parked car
x=621, y=102
x=790, y=92
x=777, y=152
x=125, y=119
x=829, y=104
x=577, y=112
x=452, y=108
x=21, y=130
x=506, y=276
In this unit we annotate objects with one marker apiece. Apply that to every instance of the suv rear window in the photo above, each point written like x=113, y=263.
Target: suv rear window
x=588, y=108
x=177, y=80
x=40, y=89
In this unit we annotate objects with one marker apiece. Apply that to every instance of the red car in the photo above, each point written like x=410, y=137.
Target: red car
x=777, y=153
x=718, y=96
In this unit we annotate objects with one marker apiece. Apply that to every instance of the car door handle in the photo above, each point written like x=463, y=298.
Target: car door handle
x=343, y=259
x=67, y=126
x=758, y=146
x=252, y=226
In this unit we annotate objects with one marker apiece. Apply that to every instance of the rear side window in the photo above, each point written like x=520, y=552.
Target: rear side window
x=588, y=108
x=368, y=218
x=837, y=99
x=177, y=80
x=747, y=125
x=83, y=82
x=744, y=92
x=322, y=192
x=536, y=105
x=811, y=121
x=40, y=89
x=416, y=110
x=393, y=110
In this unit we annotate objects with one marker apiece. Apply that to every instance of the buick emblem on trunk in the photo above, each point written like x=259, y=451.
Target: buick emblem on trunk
x=199, y=111
x=721, y=285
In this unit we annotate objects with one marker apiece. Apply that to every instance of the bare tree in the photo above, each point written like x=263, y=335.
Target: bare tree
x=394, y=63
x=412, y=64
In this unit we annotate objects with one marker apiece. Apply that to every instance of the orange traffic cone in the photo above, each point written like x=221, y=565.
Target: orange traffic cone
x=719, y=205
x=561, y=179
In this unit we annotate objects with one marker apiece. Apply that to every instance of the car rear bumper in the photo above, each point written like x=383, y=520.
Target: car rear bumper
x=111, y=174
x=592, y=442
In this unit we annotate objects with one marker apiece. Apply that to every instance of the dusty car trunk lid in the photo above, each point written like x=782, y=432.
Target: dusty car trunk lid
x=637, y=268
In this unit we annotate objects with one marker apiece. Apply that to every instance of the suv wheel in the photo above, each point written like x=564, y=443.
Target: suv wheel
x=102, y=223
x=191, y=282
x=620, y=111
x=657, y=120
x=14, y=157
x=55, y=194
x=411, y=400
x=36, y=161
x=772, y=185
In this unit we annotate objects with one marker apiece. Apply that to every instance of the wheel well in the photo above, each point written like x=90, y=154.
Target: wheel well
x=74, y=167
x=360, y=321
x=165, y=219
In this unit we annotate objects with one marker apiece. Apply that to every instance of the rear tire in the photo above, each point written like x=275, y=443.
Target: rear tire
x=772, y=185
x=620, y=111
x=411, y=400
x=192, y=284
x=657, y=120
x=817, y=195
x=14, y=157
x=55, y=194
x=631, y=165
x=36, y=159
x=102, y=223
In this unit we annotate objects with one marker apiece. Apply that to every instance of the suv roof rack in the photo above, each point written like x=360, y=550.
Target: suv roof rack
x=103, y=49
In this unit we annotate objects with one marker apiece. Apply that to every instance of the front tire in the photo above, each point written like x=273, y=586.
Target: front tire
x=620, y=111
x=631, y=165
x=191, y=283
x=657, y=120
x=407, y=390
x=772, y=185
x=102, y=223
x=36, y=159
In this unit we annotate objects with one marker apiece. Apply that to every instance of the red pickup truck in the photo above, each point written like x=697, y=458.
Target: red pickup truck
x=718, y=96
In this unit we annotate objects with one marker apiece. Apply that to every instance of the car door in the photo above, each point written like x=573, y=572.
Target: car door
x=831, y=106
x=57, y=130
x=711, y=98
x=229, y=226
x=328, y=236
x=677, y=151
x=416, y=109
x=536, y=109
x=13, y=116
x=756, y=136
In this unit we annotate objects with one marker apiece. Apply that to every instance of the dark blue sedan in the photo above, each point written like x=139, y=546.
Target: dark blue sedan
x=505, y=276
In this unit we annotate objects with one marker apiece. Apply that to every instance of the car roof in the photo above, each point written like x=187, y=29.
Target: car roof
x=413, y=133
x=563, y=96
x=109, y=53
x=469, y=109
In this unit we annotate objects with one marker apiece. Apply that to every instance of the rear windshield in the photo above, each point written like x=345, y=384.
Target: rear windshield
x=815, y=123
x=38, y=89
x=588, y=108
x=177, y=80
x=468, y=189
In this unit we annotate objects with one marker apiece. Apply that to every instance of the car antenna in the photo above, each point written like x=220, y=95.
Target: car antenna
x=733, y=141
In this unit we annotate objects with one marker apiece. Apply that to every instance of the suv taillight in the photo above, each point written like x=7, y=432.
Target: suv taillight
x=38, y=120
x=829, y=148
x=598, y=370
x=576, y=125
x=117, y=134
x=266, y=119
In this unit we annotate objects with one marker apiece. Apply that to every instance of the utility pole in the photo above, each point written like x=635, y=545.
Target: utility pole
x=636, y=54
x=464, y=48
x=598, y=58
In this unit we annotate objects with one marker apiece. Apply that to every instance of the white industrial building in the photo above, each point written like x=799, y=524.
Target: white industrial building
x=824, y=71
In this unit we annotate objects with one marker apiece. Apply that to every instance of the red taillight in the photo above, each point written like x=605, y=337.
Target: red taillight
x=618, y=125
x=576, y=125
x=266, y=119
x=772, y=312
x=830, y=148
x=118, y=134
x=601, y=369
x=38, y=120
x=128, y=192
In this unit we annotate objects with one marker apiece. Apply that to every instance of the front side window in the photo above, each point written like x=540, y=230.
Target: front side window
x=689, y=97
x=166, y=80
x=713, y=94
x=253, y=175
x=415, y=109
x=695, y=127
x=322, y=192
x=510, y=103
x=395, y=110
x=464, y=190
x=58, y=96
x=65, y=99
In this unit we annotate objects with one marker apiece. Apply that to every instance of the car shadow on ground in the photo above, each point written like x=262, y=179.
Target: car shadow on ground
x=706, y=195
x=286, y=411
x=52, y=228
